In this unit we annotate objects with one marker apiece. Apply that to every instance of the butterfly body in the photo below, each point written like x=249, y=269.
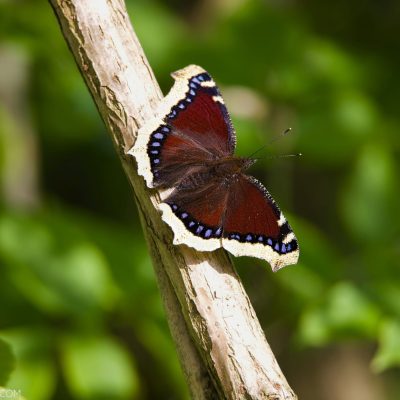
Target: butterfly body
x=199, y=173
x=187, y=153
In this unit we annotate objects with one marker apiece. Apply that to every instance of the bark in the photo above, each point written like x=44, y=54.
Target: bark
x=221, y=346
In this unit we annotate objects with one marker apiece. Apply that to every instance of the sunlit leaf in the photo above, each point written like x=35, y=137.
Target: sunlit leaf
x=33, y=350
x=98, y=367
x=388, y=354
x=344, y=313
x=368, y=205
x=56, y=273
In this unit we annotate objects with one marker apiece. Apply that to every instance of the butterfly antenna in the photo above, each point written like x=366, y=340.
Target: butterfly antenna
x=280, y=136
x=272, y=157
x=257, y=151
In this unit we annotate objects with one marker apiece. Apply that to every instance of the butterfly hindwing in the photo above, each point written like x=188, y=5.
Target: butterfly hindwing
x=195, y=213
x=254, y=225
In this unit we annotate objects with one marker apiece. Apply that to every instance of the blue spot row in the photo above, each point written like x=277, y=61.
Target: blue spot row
x=207, y=232
x=194, y=226
x=276, y=245
x=154, y=146
x=194, y=84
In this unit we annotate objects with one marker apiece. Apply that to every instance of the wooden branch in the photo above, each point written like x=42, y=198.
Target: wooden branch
x=222, y=348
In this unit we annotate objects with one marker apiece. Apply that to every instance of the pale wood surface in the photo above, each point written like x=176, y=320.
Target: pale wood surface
x=222, y=348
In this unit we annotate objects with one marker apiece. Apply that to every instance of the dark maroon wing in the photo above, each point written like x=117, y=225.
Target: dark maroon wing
x=195, y=216
x=253, y=221
x=195, y=130
x=201, y=209
x=202, y=117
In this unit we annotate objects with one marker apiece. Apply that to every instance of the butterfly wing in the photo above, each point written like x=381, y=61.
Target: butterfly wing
x=254, y=226
x=195, y=211
x=192, y=126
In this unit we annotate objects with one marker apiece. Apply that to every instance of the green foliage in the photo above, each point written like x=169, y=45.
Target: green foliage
x=7, y=361
x=34, y=362
x=98, y=368
x=343, y=312
x=80, y=313
x=71, y=274
x=389, y=350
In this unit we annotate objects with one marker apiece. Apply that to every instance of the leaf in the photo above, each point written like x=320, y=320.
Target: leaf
x=97, y=367
x=344, y=313
x=7, y=362
x=32, y=348
x=369, y=202
x=59, y=270
x=388, y=354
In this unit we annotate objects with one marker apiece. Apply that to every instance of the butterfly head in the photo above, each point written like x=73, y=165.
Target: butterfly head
x=246, y=163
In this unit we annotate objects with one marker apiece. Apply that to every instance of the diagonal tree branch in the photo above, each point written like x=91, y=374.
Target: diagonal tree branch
x=222, y=348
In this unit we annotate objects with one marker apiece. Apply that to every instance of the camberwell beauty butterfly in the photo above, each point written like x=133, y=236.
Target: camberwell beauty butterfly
x=207, y=199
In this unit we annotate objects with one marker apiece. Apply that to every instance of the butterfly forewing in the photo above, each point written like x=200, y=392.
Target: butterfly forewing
x=202, y=116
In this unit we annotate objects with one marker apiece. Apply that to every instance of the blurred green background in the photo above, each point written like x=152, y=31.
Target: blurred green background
x=80, y=313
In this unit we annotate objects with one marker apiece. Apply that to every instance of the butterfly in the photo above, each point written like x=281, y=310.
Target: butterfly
x=187, y=153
